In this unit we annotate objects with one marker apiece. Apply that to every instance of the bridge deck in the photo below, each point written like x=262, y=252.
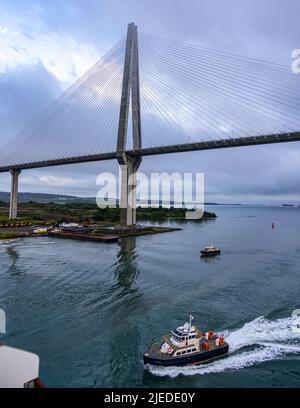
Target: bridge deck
x=178, y=148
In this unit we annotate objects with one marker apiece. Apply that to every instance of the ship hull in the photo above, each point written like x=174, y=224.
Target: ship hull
x=200, y=357
x=210, y=253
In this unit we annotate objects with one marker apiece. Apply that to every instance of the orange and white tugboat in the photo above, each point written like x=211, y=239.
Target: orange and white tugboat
x=210, y=251
x=186, y=345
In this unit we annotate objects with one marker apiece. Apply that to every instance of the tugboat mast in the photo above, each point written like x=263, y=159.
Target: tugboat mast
x=191, y=318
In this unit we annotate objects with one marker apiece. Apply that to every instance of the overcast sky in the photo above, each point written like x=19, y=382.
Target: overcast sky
x=46, y=45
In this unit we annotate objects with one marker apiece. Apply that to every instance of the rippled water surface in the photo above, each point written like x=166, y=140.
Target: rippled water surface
x=90, y=310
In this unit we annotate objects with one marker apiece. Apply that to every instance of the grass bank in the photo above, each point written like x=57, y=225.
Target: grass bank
x=51, y=213
x=11, y=235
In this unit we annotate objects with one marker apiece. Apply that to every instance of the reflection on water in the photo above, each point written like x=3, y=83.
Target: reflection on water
x=127, y=271
x=124, y=342
x=14, y=255
x=210, y=259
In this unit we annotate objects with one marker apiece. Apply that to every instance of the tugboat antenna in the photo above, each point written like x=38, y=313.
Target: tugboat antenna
x=191, y=318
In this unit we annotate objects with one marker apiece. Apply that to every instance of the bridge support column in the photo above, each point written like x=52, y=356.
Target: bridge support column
x=128, y=191
x=13, y=209
x=130, y=94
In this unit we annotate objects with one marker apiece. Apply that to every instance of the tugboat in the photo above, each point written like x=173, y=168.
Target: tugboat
x=210, y=251
x=186, y=345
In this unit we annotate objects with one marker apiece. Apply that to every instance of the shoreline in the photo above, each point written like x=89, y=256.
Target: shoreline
x=10, y=240
x=99, y=234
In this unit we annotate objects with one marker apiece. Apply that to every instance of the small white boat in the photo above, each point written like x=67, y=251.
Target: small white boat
x=210, y=251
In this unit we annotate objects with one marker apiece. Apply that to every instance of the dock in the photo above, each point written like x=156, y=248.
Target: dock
x=96, y=232
x=84, y=236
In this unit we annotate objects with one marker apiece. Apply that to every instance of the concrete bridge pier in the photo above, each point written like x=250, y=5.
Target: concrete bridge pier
x=13, y=208
x=128, y=191
x=129, y=164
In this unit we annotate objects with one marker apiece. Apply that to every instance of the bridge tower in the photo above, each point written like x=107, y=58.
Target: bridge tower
x=13, y=206
x=129, y=164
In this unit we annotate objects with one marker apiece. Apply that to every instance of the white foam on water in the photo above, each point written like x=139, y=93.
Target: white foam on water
x=272, y=340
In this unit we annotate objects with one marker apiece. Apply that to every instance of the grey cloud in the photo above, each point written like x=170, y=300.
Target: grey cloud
x=25, y=92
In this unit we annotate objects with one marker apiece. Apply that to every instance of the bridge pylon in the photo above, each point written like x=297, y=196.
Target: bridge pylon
x=13, y=206
x=130, y=94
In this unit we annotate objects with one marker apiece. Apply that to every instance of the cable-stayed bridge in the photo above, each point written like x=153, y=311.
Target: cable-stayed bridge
x=171, y=97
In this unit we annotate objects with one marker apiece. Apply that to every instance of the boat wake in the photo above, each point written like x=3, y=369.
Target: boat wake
x=257, y=341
